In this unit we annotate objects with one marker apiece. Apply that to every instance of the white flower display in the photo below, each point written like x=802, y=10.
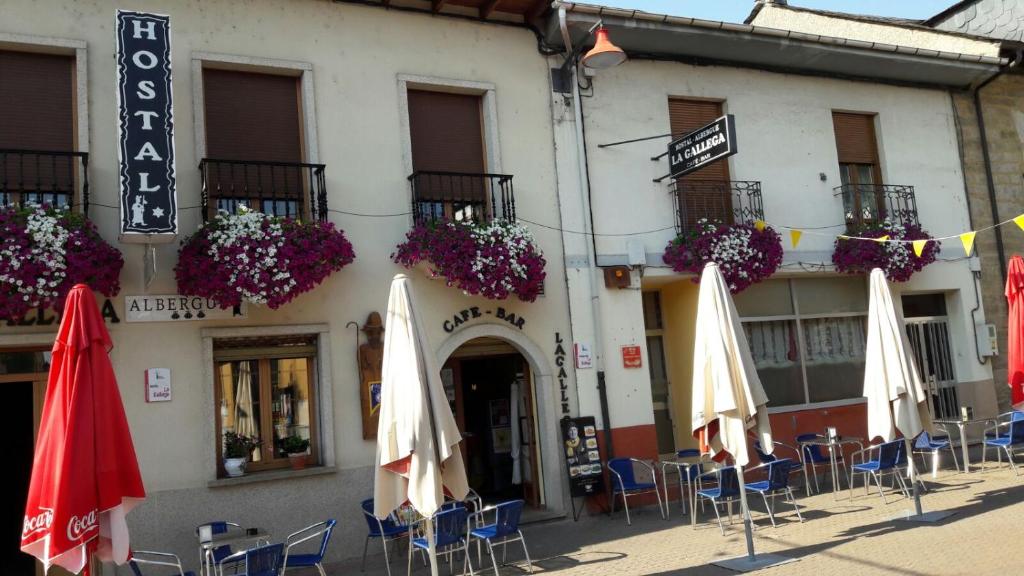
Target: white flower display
x=48, y=241
x=257, y=277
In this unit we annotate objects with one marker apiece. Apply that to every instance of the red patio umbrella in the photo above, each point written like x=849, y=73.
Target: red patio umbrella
x=85, y=477
x=1015, y=330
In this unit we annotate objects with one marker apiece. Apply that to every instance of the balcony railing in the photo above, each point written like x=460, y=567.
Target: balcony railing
x=869, y=204
x=286, y=189
x=725, y=201
x=461, y=196
x=57, y=178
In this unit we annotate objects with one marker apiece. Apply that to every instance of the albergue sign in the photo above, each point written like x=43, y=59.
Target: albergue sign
x=145, y=130
x=703, y=146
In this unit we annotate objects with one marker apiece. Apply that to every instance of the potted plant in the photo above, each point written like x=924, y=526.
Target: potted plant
x=296, y=448
x=237, y=451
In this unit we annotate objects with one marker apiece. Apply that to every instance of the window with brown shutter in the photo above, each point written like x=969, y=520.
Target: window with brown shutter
x=448, y=157
x=254, y=142
x=37, y=114
x=706, y=193
x=859, y=171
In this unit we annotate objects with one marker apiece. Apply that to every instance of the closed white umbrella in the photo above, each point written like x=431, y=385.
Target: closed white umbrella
x=728, y=399
x=892, y=386
x=245, y=420
x=417, y=438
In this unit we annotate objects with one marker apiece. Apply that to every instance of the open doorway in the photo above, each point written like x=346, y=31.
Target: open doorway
x=490, y=388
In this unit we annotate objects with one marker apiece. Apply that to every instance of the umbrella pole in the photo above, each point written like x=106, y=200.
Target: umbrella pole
x=913, y=476
x=747, y=529
x=431, y=547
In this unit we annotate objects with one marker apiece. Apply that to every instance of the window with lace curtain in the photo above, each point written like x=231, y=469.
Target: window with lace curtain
x=807, y=338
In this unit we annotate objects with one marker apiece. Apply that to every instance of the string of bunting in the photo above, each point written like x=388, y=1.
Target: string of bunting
x=966, y=238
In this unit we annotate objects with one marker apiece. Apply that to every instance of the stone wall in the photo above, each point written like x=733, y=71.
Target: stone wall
x=1003, y=106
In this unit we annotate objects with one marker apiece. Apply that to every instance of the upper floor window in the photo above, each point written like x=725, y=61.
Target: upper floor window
x=859, y=169
x=38, y=162
x=254, y=145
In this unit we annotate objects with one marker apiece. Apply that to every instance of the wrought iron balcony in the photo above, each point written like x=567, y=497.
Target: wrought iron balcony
x=869, y=204
x=725, y=201
x=286, y=189
x=461, y=196
x=57, y=178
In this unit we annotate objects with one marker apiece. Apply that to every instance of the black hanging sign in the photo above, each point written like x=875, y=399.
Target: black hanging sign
x=703, y=146
x=145, y=134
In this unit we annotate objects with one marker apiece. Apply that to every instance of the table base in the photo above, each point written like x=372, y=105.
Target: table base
x=759, y=562
x=927, y=517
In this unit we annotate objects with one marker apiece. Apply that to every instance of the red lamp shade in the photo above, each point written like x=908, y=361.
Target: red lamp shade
x=604, y=54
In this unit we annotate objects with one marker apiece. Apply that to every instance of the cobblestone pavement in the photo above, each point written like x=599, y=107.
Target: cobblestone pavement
x=836, y=537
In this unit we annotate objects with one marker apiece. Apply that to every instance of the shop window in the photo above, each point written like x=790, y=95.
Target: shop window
x=266, y=388
x=807, y=338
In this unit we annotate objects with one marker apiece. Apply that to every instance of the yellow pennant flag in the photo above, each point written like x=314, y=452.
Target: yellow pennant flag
x=1019, y=221
x=794, y=237
x=967, y=239
x=760, y=225
x=882, y=238
x=919, y=247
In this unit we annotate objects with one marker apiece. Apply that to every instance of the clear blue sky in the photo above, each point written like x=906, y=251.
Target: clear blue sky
x=737, y=10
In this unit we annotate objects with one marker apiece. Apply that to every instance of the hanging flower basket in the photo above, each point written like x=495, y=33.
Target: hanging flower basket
x=44, y=251
x=896, y=259
x=493, y=260
x=744, y=254
x=259, y=258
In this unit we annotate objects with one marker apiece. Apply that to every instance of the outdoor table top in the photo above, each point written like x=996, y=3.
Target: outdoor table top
x=957, y=421
x=235, y=538
x=823, y=441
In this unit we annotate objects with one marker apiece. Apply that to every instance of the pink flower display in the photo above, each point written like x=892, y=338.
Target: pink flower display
x=492, y=260
x=259, y=258
x=45, y=251
x=745, y=254
x=896, y=259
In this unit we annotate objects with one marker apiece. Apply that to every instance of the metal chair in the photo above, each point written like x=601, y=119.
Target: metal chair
x=925, y=443
x=261, y=561
x=388, y=529
x=206, y=532
x=795, y=465
x=505, y=528
x=165, y=559
x=1005, y=440
x=813, y=456
x=887, y=462
x=314, y=560
x=451, y=535
x=726, y=491
x=687, y=472
x=626, y=485
x=776, y=482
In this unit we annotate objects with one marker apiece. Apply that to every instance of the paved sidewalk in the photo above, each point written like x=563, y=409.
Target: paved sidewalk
x=837, y=537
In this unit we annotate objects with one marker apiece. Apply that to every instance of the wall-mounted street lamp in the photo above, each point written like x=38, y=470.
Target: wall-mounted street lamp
x=604, y=54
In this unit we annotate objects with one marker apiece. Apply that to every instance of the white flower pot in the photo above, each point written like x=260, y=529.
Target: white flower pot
x=234, y=466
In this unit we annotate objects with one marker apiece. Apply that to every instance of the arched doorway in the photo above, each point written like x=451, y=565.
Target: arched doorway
x=490, y=386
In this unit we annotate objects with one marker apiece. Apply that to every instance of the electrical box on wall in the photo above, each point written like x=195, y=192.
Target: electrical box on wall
x=617, y=277
x=988, y=343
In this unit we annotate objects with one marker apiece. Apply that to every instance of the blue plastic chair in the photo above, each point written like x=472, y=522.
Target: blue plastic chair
x=888, y=461
x=776, y=482
x=796, y=465
x=503, y=530
x=932, y=445
x=814, y=457
x=388, y=530
x=727, y=490
x=261, y=561
x=624, y=483
x=1005, y=440
x=451, y=535
x=165, y=559
x=314, y=560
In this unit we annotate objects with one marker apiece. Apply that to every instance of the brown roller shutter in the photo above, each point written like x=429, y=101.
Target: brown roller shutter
x=706, y=192
x=688, y=115
x=446, y=132
x=36, y=101
x=252, y=116
x=855, y=138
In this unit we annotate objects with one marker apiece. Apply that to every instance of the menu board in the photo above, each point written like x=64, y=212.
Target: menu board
x=582, y=456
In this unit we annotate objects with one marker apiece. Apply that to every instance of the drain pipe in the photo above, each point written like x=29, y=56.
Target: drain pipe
x=588, y=229
x=993, y=204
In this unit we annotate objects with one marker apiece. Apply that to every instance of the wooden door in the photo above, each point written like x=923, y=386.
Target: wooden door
x=451, y=378
x=528, y=435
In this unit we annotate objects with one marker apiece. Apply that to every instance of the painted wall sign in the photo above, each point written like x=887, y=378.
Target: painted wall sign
x=631, y=357
x=463, y=316
x=581, y=353
x=703, y=146
x=563, y=388
x=48, y=317
x=145, y=129
x=174, y=307
x=158, y=385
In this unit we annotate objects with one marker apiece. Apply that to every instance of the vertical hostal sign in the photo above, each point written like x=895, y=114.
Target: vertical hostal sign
x=145, y=127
